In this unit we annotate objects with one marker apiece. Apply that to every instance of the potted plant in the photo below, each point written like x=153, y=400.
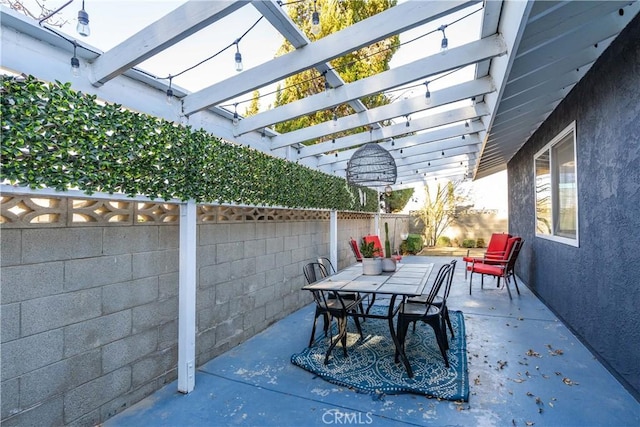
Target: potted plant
x=388, y=263
x=371, y=262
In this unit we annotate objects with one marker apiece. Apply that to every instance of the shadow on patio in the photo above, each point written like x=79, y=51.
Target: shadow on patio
x=525, y=368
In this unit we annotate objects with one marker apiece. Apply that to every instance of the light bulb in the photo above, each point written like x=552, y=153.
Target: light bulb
x=236, y=119
x=75, y=67
x=444, y=45
x=83, y=23
x=169, y=96
x=335, y=119
x=315, y=23
x=238, y=61
x=327, y=89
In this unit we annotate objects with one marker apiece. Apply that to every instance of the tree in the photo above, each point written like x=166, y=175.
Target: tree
x=441, y=208
x=398, y=199
x=44, y=11
x=334, y=16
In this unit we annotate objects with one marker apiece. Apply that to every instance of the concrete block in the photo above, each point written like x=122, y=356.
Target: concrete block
x=243, y=268
x=130, y=239
x=285, y=228
x=212, y=275
x=155, y=263
x=274, y=276
x=228, y=329
x=228, y=290
x=253, y=283
x=265, y=230
x=291, y=243
x=92, y=272
x=206, y=255
x=90, y=419
x=211, y=234
x=242, y=232
x=154, y=314
x=42, y=314
x=54, y=244
x=84, y=399
x=283, y=258
x=254, y=317
x=121, y=296
x=94, y=333
x=275, y=245
x=205, y=342
x=169, y=237
x=265, y=262
x=55, y=379
x=168, y=335
x=122, y=352
x=154, y=366
x=169, y=285
x=124, y=401
x=30, y=353
x=205, y=298
x=265, y=295
x=294, y=272
x=23, y=282
x=275, y=309
x=10, y=398
x=10, y=247
x=254, y=248
x=227, y=252
x=10, y=321
x=49, y=413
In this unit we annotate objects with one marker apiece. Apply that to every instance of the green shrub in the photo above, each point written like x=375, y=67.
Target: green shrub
x=443, y=241
x=468, y=243
x=413, y=244
x=480, y=243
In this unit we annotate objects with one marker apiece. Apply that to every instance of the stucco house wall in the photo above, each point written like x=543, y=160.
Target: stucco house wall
x=594, y=287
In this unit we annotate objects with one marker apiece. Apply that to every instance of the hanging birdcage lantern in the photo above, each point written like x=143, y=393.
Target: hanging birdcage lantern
x=372, y=166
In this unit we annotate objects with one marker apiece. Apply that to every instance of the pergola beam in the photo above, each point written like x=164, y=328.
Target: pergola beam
x=393, y=21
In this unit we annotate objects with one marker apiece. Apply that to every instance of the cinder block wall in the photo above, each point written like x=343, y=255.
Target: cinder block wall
x=89, y=309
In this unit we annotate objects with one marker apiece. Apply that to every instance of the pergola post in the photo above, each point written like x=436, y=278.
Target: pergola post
x=333, y=238
x=187, y=298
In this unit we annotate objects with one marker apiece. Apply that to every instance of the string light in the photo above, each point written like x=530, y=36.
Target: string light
x=263, y=135
x=236, y=119
x=83, y=22
x=170, y=92
x=427, y=94
x=75, y=62
x=315, y=20
x=408, y=119
x=335, y=118
x=238, y=56
x=444, y=44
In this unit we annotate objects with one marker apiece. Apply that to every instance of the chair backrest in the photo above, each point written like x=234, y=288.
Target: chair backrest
x=441, y=278
x=327, y=264
x=313, y=272
x=447, y=288
x=497, y=247
x=376, y=243
x=514, y=250
x=355, y=249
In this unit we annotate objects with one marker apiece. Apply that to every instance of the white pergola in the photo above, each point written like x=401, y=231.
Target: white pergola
x=527, y=56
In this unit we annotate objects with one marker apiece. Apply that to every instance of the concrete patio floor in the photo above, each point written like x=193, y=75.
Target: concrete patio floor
x=525, y=369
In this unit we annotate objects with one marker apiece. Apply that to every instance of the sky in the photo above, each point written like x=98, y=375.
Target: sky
x=113, y=21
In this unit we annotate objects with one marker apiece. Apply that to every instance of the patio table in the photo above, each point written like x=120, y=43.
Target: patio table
x=408, y=280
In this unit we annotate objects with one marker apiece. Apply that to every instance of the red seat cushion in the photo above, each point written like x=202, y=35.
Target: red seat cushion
x=494, y=270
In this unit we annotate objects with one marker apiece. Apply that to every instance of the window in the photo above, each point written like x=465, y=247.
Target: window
x=557, y=189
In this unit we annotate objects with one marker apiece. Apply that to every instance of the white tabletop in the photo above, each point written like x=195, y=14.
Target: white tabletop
x=407, y=280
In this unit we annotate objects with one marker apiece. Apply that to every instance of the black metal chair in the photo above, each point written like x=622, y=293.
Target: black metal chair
x=328, y=270
x=426, y=312
x=330, y=305
x=440, y=301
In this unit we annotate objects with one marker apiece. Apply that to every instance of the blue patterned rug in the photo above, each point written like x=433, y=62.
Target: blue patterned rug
x=370, y=368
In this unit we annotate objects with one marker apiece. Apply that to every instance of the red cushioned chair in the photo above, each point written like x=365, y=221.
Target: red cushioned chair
x=356, y=250
x=376, y=244
x=495, y=250
x=499, y=268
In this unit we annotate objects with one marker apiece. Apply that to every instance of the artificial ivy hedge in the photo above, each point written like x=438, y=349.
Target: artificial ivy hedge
x=55, y=137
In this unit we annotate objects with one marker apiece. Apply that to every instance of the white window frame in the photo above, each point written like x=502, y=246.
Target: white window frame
x=548, y=150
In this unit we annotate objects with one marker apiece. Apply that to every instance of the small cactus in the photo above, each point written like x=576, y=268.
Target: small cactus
x=387, y=244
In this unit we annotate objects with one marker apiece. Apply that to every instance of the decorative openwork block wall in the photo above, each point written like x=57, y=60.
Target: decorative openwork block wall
x=90, y=295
